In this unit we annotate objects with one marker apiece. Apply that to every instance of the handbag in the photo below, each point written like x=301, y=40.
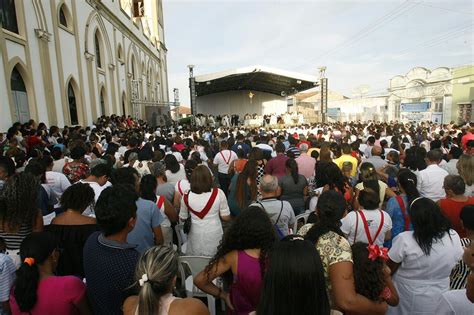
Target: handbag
x=187, y=225
x=200, y=215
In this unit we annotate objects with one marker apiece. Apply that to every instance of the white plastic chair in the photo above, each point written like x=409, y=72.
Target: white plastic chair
x=195, y=264
x=301, y=217
x=182, y=238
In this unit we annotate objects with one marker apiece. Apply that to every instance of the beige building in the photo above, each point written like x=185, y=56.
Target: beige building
x=67, y=62
x=422, y=95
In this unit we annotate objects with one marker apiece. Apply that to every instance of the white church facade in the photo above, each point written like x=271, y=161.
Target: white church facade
x=67, y=62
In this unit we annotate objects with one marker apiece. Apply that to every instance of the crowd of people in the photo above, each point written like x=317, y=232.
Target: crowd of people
x=342, y=218
x=250, y=120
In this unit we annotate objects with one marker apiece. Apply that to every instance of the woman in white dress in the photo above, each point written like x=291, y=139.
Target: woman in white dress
x=421, y=260
x=207, y=206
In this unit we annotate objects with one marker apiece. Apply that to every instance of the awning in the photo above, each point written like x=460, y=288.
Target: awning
x=255, y=78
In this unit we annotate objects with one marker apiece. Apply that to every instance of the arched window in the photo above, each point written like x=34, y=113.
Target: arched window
x=8, y=15
x=120, y=53
x=62, y=16
x=98, y=56
x=123, y=103
x=133, y=68
x=71, y=98
x=102, y=102
x=19, y=96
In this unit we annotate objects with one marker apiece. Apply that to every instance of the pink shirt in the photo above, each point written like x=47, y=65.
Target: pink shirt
x=55, y=295
x=305, y=165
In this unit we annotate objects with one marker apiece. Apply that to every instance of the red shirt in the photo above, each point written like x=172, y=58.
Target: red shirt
x=451, y=209
x=468, y=136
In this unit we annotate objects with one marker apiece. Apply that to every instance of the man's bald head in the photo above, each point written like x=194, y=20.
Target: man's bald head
x=268, y=184
x=376, y=150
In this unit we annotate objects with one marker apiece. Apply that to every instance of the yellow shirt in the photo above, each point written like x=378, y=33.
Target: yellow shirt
x=347, y=158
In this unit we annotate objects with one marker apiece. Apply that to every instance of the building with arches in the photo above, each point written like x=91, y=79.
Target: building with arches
x=67, y=62
x=440, y=95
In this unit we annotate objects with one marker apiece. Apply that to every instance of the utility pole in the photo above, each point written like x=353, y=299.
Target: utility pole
x=324, y=93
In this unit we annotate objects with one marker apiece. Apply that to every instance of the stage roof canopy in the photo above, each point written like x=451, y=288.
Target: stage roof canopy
x=255, y=78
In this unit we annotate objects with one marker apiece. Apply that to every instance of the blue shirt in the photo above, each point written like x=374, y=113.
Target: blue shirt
x=148, y=218
x=398, y=221
x=109, y=267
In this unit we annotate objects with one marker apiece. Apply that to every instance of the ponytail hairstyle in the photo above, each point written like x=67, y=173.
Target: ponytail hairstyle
x=330, y=209
x=155, y=272
x=292, y=166
x=35, y=249
x=189, y=168
x=408, y=181
x=369, y=177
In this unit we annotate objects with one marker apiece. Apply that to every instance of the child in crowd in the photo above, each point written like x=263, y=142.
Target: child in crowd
x=7, y=276
x=371, y=274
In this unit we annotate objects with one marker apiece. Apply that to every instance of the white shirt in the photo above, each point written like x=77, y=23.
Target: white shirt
x=430, y=182
x=373, y=218
x=173, y=178
x=223, y=160
x=182, y=186
x=57, y=183
x=97, y=191
x=454, y=302
x=59, y=165
x=450, y=167
x=421, y=280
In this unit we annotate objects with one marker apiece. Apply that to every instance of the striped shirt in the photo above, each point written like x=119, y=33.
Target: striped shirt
x=458, y=277
x=294, y=150
x=13, y=239
x=7, y=276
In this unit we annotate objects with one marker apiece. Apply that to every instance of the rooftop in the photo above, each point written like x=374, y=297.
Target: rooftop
x=255, y=78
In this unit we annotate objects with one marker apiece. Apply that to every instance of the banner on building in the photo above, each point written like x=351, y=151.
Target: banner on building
x=334, y=112
x=415, y=107
x=417, y=117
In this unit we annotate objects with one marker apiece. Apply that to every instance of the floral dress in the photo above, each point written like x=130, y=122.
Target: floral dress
x=75, y=172
x=332, y=249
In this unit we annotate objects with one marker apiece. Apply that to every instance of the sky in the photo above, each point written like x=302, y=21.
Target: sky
x=363, y=44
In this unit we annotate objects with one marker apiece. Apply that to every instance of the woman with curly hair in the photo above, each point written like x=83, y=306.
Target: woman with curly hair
x=19, y=213
x=241, y=260
x=371, y=275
